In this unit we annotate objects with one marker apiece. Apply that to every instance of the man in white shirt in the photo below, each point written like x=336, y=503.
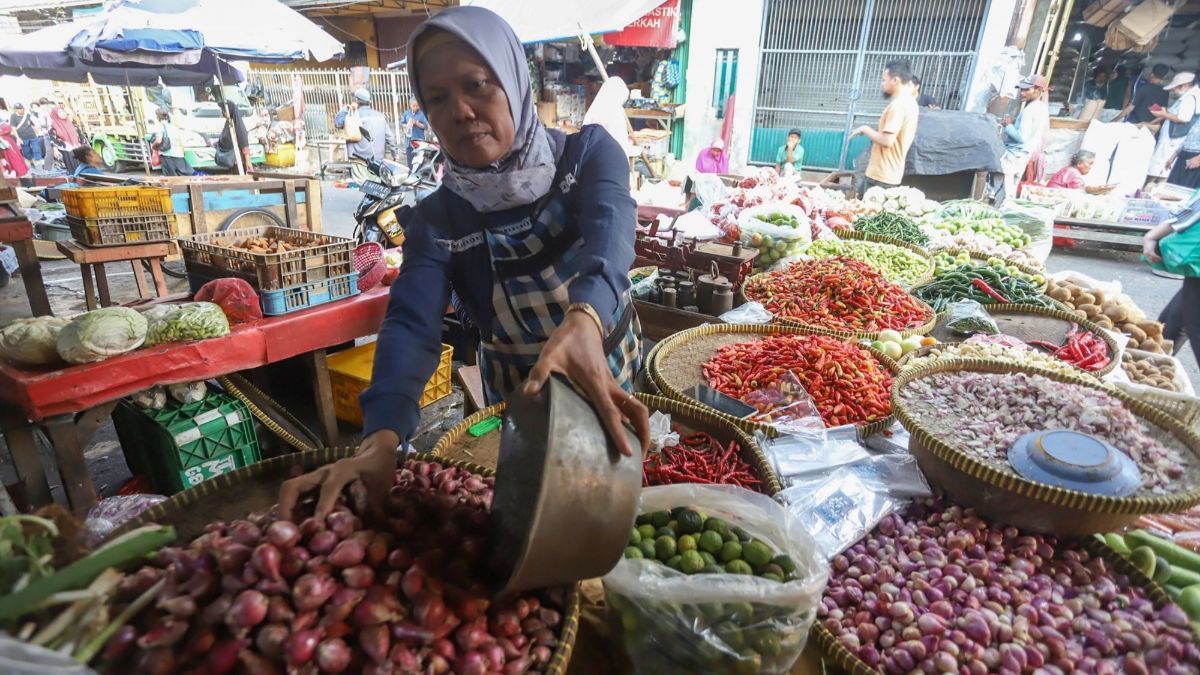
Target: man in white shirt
x=1176, y=123
x=1026, y=135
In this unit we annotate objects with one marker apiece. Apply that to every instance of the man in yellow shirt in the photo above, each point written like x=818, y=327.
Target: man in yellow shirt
x=897, y=128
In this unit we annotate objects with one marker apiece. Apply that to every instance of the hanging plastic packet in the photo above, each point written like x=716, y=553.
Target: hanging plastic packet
x=786, y=405
x=968, y=317
x=749, y=314
x=793, y=455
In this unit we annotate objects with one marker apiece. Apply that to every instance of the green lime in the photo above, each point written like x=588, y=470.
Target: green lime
x=676, y=511
x=708, y=558
x=740, y=612
x=738, y=567
x=766, y=643
x=785, y=563
x=646, y=531
x=731, y=551
x=756, y=553
x=730, y=633
x=635, y=537
x=691, y=562
x=643, y=519
x=711, y=542
x=687, y=543
x=741, y=534
x=629, y=621
x=665, y=548
x=772, y=576
x=665, y=532
x=648, y=550
x=633, y=552
x=675, y=562
x=714, y=524
x=660, y=518
x=713, y=569
x=748, y=663
x=690, y=522
x=728, y=535
x=773, y=569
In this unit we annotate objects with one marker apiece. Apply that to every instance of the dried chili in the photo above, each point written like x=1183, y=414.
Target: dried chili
x=847, y=383
x=838, y=293
x=699, y=458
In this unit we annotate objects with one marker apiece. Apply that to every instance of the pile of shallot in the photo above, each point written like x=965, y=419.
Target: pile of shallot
x=264, y=595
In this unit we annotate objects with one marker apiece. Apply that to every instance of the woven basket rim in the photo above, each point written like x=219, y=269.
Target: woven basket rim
x=1113, y=348
x=1041, y=492
x=681, y=338
x=883, y=240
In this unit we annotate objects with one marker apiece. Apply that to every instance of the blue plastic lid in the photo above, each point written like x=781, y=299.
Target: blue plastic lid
x=1075, y=461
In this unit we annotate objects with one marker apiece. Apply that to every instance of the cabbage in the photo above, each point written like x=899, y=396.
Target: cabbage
x=190, y=321
x=31, y=342
x=97, y=335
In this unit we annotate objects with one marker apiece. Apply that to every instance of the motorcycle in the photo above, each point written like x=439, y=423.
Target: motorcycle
x=380, y=213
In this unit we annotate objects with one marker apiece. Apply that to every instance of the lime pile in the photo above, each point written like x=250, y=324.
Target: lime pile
x=688, y=541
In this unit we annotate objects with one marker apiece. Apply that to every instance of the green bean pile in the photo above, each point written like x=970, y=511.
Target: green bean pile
x=959, y=284
x=894, y=225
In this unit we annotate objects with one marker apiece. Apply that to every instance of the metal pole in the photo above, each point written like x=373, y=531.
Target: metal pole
x=237, y=151
x=139, y=123
x=856, y=89
x=1062, y=32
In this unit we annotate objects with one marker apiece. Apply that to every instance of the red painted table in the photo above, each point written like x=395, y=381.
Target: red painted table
x=17, y=231
x=70, y=403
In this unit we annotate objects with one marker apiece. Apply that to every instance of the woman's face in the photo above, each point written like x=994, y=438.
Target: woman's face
x=466, y=105
x=1086, y=165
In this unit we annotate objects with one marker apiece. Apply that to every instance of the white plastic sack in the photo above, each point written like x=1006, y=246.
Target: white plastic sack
x=673, y=622
x=749, y=314
x=1123, y=153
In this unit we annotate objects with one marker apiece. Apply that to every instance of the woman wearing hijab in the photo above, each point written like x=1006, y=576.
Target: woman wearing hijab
x=225, y=150
x=533, y=231
x=11, y=160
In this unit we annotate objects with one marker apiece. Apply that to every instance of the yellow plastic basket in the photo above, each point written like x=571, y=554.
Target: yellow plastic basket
x=117, y=202
x=350, y=375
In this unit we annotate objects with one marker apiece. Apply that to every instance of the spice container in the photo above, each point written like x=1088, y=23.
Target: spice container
x=668, y=297
x=722, y=300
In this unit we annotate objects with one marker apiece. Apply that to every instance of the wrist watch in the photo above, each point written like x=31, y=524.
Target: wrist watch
x=591, y=312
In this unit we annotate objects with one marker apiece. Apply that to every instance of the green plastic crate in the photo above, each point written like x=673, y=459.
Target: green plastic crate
x=183, y=445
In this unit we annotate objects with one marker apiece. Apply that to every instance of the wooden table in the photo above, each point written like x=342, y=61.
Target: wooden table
x=17, y=231
x=1102, y=231
x=70, y=403
x=91, y=261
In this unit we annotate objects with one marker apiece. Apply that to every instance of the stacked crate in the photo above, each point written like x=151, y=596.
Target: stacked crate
x=117, y=216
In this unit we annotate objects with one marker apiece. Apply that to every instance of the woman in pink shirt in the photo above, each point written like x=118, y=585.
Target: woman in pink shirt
x=713, y=159
x=1071, y=177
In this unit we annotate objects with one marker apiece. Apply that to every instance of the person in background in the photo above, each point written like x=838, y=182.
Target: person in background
x=1177, y=123
x=1181, y=316
x=377, y=139
x=1071, y=176
x=1096, y=89
x=415, y=123
x=789, y=159
x=11, y=160
x=43, y=108
x=234, y=123
x=87, y=161
x=1118, y=90
x=64, y=135
x=170, y=147
x=1151, y=93
x=713, y=159
x=24, y=124
x=924, y=100
x=897, y=128
x=1185, y=166
x=1025, y=135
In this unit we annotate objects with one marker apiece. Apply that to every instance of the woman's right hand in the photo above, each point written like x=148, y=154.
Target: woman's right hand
x=374, y=465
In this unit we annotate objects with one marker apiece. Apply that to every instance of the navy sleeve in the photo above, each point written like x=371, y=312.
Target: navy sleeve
x=409, y=343
x=607, y=220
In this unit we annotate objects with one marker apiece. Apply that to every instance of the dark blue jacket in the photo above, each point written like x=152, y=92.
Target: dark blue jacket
x=409, y=343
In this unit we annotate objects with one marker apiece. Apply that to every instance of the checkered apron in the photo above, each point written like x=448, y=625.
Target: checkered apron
x=534, y=261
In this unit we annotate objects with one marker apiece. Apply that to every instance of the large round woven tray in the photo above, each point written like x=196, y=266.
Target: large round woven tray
x=1005, y=497
x=682, y=356
x=1030, y=322
x=892, y=241
x=923, y=329
x=256, y=488
x=984, y=257
x=689, y=417
x=849, y=661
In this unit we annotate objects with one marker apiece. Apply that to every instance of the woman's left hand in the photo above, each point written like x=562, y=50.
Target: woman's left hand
x=576, y=350
x=1193, y=163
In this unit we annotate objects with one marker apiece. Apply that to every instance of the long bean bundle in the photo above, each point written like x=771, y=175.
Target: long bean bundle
x=985, y=284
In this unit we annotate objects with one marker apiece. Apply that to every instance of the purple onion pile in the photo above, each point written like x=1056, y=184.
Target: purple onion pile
x=938, y=590
x=264, y=596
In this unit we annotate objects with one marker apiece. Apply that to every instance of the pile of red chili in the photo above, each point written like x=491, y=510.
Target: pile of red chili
x=847, y=383
x=839, y=294
x=699, y=458
x=1083, y=349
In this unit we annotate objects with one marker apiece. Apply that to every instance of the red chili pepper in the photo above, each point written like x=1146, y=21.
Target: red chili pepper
x=1083, y=349
x=699, y=458
x=989, y=291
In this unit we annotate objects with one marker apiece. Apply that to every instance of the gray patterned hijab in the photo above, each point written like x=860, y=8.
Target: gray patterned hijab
x=526, y=173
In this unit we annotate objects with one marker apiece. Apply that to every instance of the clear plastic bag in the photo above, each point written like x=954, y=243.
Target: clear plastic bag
x=749, y=314
x=891, y=441
x=642, y=289
x=154, y=398
x=786, y=405
x=773, y=240
x=190, y=321
x=113, y=512
x=793, y=455
x=968, y=317
x=21, y=658
x=672, y=622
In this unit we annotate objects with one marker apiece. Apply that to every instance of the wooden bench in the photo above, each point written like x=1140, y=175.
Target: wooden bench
x=91, y=262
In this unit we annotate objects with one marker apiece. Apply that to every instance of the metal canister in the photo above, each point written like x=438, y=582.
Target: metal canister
x=705, y=287
x=687, y=294
x=722, y=300
x=668, y=297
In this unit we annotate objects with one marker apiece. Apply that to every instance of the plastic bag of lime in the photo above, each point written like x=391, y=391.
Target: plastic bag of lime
x=716, y=579
x=778, y=231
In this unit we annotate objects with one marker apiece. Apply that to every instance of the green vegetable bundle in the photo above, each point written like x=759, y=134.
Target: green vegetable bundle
x=191, y=321
x=895, y=225
x=898, y=265
x=973, y=282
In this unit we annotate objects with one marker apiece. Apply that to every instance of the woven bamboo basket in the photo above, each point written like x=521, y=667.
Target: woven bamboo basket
x=689, y=417
x=1182, y=405
x=984, y=257
x=1006, y=497
x=674, y=390
x=256, y=488
x=923, y=329
x=1002, y=314
x=848, y=661
x=892, y=241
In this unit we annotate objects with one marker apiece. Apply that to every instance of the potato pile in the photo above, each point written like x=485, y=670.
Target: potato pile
x=1151, y=371
x=268, y=245
x=1115, y=313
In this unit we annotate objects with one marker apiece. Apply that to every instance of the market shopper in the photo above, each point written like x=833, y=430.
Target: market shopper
x=1118, y=90
x=24, y=124
x=12, y=162
x=713, y=159
x=375, y=139
x=1026, y=135
x=532, y=229
x=897, y=128
x=1185, y=166
x=1151, y=93
x=924, y=100
x=789, y=159
x=226, y=154
x=415, y=123
x=170, y=148
x=1177, y=123
x=1095, y=89
x=1181, y=317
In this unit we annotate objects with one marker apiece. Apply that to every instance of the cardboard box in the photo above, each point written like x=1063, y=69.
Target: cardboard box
x=1143, y=24
x=1104, y=12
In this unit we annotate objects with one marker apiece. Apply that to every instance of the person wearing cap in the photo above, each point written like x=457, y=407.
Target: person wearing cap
x=713, y=159
x=377, y=139
x=789, y=159
x=25, y=126
x=1177, y=122
x=531, y=229
x=1026, y=135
